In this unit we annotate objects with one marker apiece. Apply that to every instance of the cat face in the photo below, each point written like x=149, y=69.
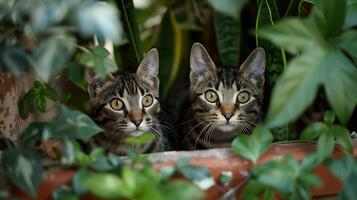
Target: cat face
x=127, y=103
x=228, y=98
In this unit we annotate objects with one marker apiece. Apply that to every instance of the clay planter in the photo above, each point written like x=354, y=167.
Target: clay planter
x=216, y=160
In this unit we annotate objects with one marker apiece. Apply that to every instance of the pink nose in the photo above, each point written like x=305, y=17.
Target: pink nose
x=227, y=110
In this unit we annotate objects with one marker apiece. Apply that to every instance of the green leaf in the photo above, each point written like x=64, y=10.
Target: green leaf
x=143, y=139
x=325, y=145
x=49, y=92
x=23, y=168
x=109, y=186
x=169, y=44
x=351, y=16
x=41, y=103
x=32, y=135
x=15, y=59
x=348, y=42
x=69, y=151
x=339, y=94
x=133, y=52
x=51, y=55
x=329, y=15
x=329, y=117
x=64, y=193
x=6, y=143
x=100, y=51
x=198, y=174
x=228, y=33
x=231, y=8
x=76, y=75
x=72, y=124
x=313, y=131
x=98, y=19
x=343, y=137
x=102, y=65
x=179, y=189
x=295, y=90
x=293, y=34
x=77, y=179
x=253, y=147
x=341, y=168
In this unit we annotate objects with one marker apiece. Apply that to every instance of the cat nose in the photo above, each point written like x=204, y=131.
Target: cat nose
x=136, y=116
x=227, y=110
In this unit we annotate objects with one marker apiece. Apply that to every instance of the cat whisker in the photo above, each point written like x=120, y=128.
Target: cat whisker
x=192, y=130
x=202, y=132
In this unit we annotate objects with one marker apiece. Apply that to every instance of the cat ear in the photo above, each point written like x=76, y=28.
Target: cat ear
x=254, y=65
x=200, y=61
x=148, y=69
x=95, y=83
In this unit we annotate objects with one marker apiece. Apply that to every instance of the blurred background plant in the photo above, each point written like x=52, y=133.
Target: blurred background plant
x=310, y=45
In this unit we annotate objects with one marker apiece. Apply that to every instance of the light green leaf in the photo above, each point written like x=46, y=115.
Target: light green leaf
x=143, y=139
x=325, y=145
x=76, y=75
x=231, y=8
x=348, y=42
x=296, y=89
x=293, y=34
x=51, y=55
x=339, y=92
x=179, y=189
x=253, y=147
x=109, y=186
x=343, y=137
x=313, y=131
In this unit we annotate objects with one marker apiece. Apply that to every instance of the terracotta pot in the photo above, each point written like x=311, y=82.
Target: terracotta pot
x=216, y=160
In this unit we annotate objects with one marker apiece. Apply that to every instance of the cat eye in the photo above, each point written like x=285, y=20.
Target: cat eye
x=211, y=96
x=147, y=100
x=116, y=104
x=243, y=97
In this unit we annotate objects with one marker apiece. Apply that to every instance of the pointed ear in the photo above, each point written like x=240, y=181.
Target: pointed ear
x=95, y=83
x=148, y=69
x=202, y=66
x=254, y=65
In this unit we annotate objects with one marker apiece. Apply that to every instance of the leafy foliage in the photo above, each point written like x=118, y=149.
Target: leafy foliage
x=251, y=147
x=310, y=38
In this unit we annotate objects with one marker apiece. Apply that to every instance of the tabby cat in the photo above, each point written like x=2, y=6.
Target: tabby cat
x=224, y=101
x=127, y=104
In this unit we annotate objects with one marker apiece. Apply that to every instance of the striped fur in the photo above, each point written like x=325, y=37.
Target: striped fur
x=130, y=88
x=216, y=124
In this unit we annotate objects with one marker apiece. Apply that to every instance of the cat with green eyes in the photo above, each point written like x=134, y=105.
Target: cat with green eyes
x=225, y=101
x=127, y=105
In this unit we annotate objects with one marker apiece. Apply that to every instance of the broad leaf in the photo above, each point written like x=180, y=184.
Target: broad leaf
x=231, y=8
x=76, y=75
x=51, y=55
x=108, y=188
x=179, y=189
x=343, y=137
x=293, y=34
x=72, y=124
x=253, y=147
x=98, y=19
x=339, y=93
x=348, y=42
x=313, y=131
x=329, y=16
x=23, y=168
x=325, y=145
x=295, y=90
x=351, y=17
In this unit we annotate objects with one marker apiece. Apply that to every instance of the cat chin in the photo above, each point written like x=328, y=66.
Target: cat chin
x=226, y=127
x=136, y=133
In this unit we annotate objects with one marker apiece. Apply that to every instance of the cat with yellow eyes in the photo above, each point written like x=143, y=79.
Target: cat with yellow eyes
x=127, y=105
x=225, y=101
